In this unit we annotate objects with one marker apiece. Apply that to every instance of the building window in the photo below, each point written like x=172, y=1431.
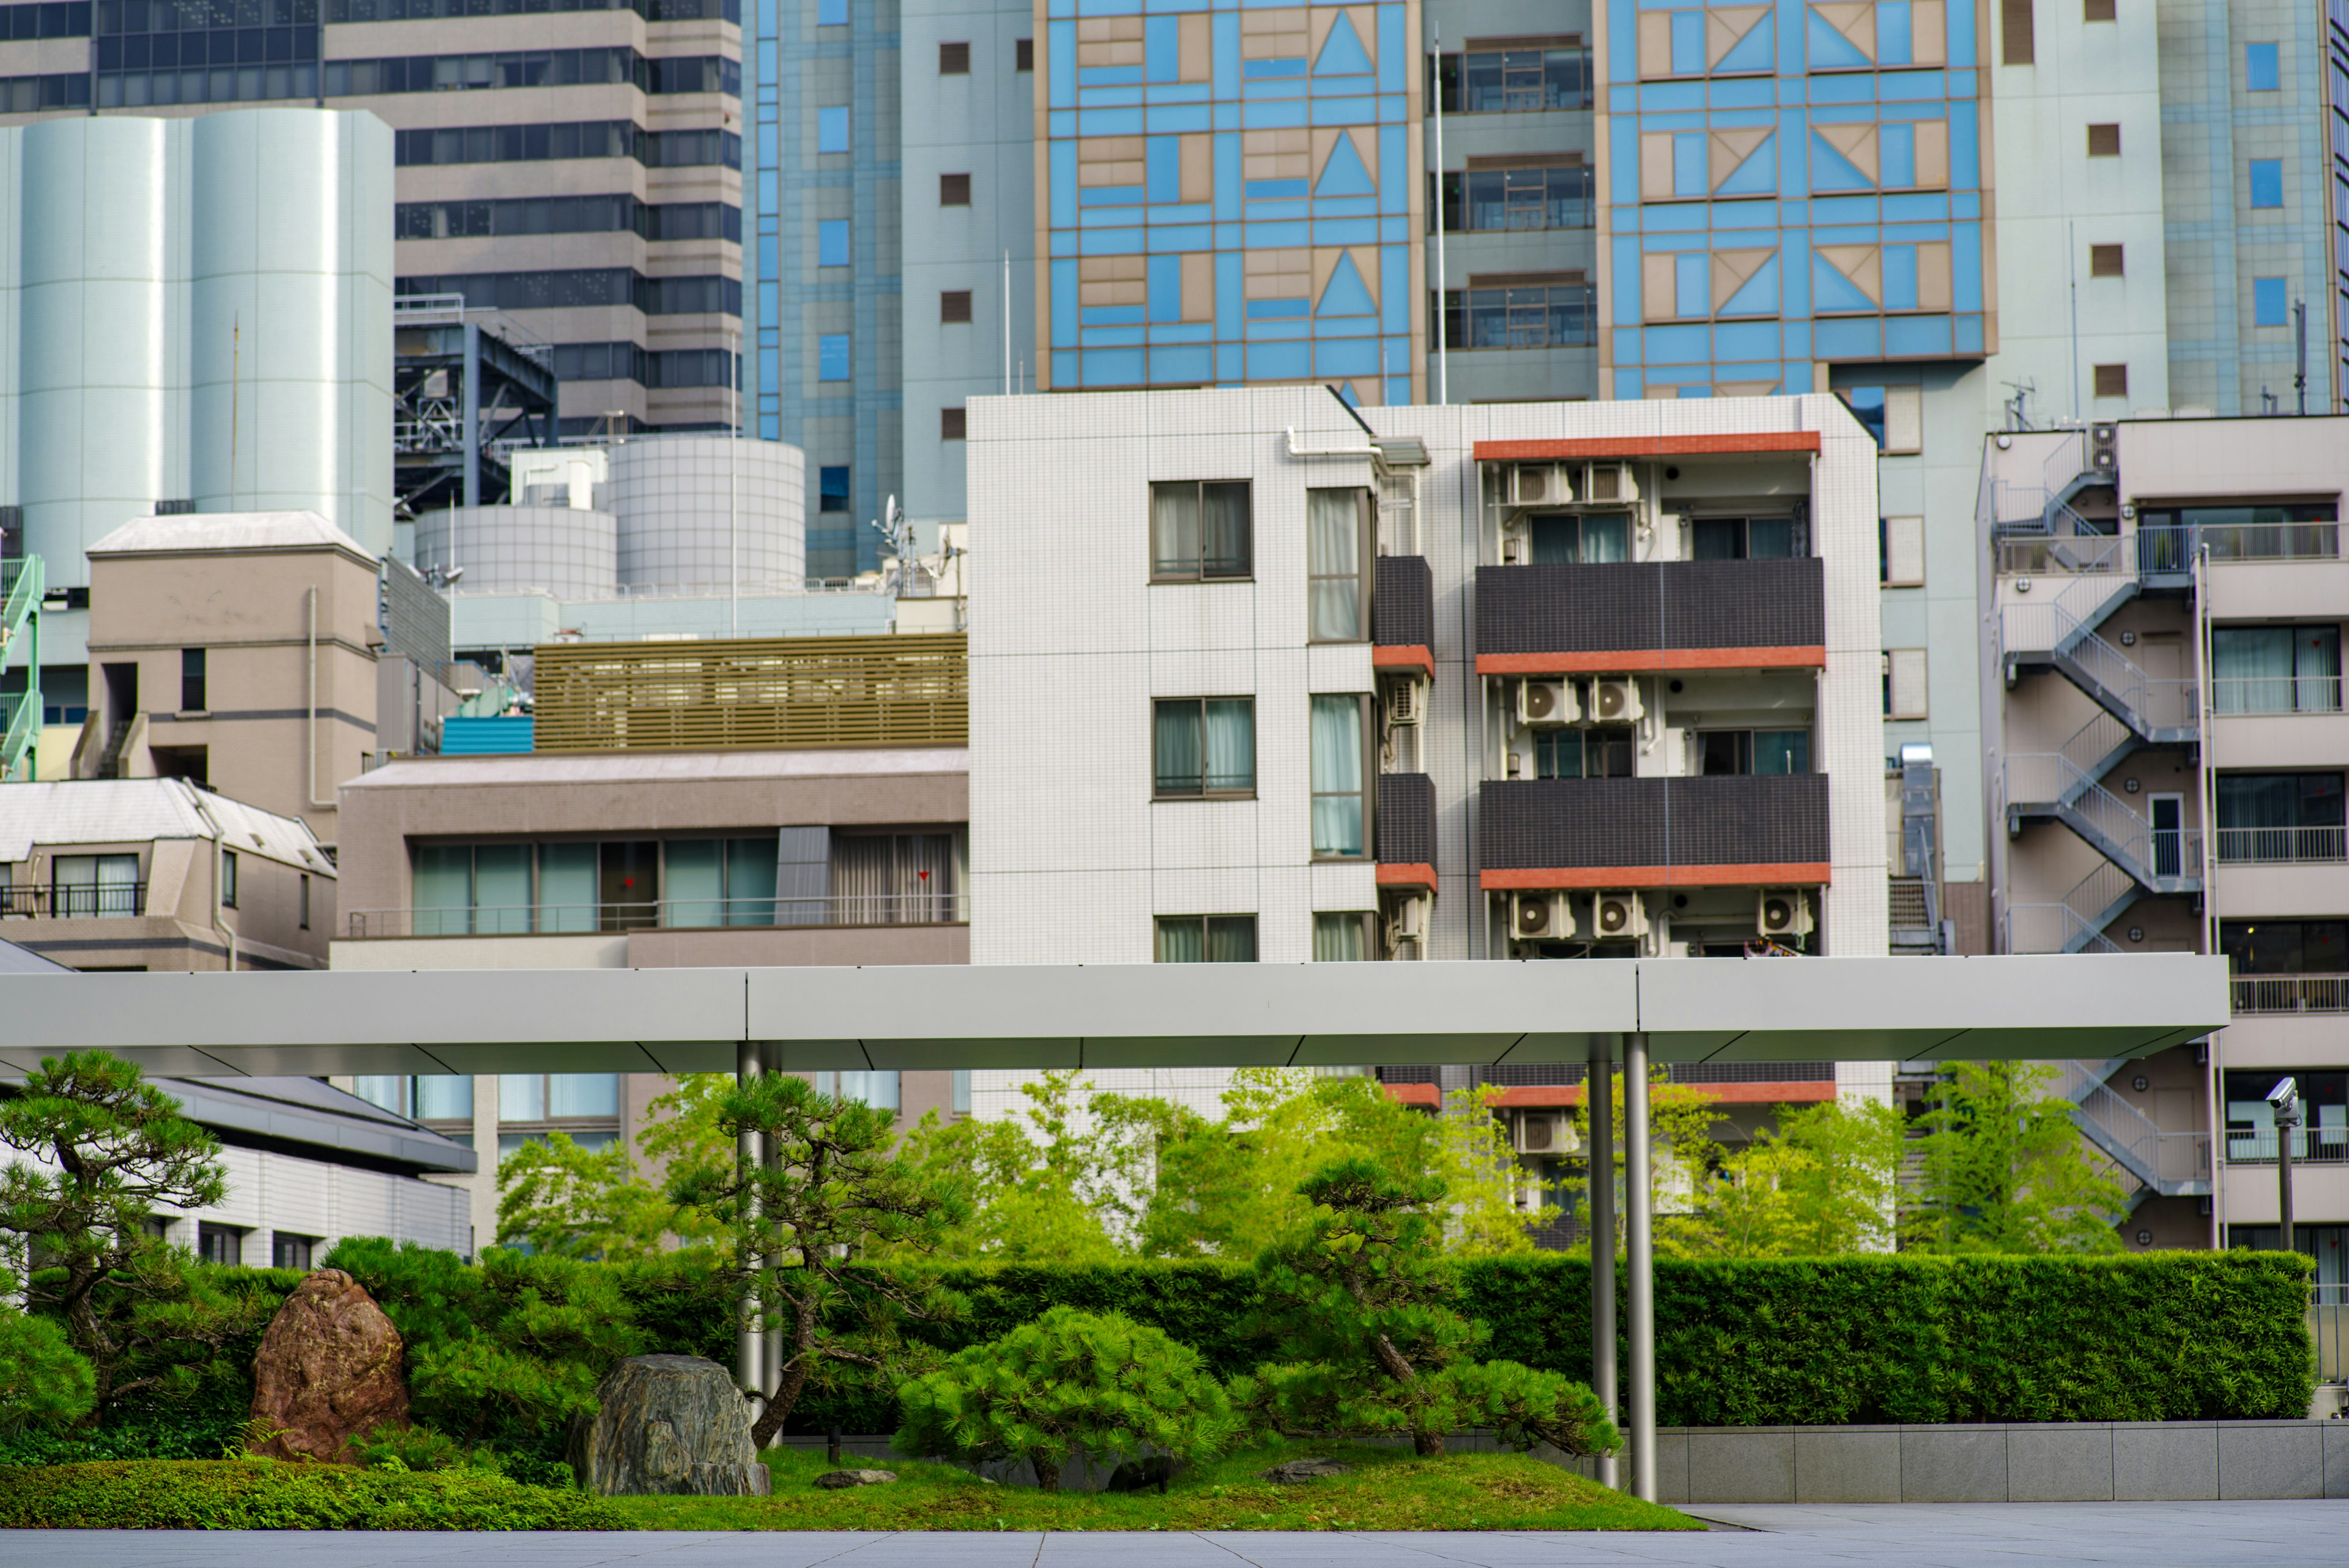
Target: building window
x=2104, y=141
x=93, y=887
x=440, y=1097
x=2262, y=69
x=1752, y=752
x=1336, y=547
x=831, y=12
x=1202, y=746
x=2104, y=261
x=877, y=1089
x=1580, y=538
x=228, y=880
x=1545, y=194
x=191, y=680
x=1895, y=416
x=2275, y=668
x=1023, y=54
x=832, y=242
x=2099, y=11
x=2305, y=530
x=304, y=901
x=288, y=1250
x=220, y=1245
x=832, y=358
x=1342, y=939
x=954, y=59
x=954, y=190
x=950, y=424
x=1340, y=768
x=2323, y=1135
x=953, y=305
x=2112, y=380
x=2015, y=27
x=1513, y=81
x=2271, y=304
x=831, y=488
x=2267, y=182
x=1903, y=552
x=585, y=1106
x=831, y=129
x=2290, y=818
x=1600, y=752
x=1560, y=314
x=1206, y=939
x=2287, y=966
x=1904, y=683
x=1749, y=538
x=1199, y=530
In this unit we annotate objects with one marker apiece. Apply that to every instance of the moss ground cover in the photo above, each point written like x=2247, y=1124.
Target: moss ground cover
x=263, y=1494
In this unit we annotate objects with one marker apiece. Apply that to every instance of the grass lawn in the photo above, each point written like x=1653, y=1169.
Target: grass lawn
x=1390, y=1490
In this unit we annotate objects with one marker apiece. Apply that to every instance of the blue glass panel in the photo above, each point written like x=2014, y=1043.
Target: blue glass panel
x=1394, y=48
x=1398, y=356
x=1914, y=335
x=1161, y=48
x=1108, y=122
x=2270, y=307
x=1182, y=365
x=1276, y=116
x=1274, y=190
x=1912, y=87
x=1257, y=70
x=1916, y=209
x=1346, y=207
x=1677, y=345
x=2261, y=72
x=1968, y=337
x=1064, y=369
x=1165, y=274
x=1344, y=174
x=1107, y=241
x=1626, y=348
x=1187, y=332
x=1830, y=290
x=1064, y=305
x=1626, y=285
x=1847, y=87
x=1108, y=76
x=1757, y=176
x=1688, y=42
x=1259, y=309
x=1346, y=232
x=1345, y=294
x=1892, y=33
x=1180, y=237
x=1847, y=339
x=1688, y=177
x=1280, y=361
x=831, y=129
x=831, y=12
x=1751, y=92
x=830, y=243
x=1831, y=170
x=1111, y=196
x=1343, y=54
x=1114, y=337
x=1829, y=50
x=1758, y=295
x=831, y=357
x=1262, y=235
x=1899, y=263
x=1341, y=111
x=1670, y=97
x=1693, y=273
x=1398, y=387
x=1346, y=357
x=1896, y=151
x=2267, y=182
x=1673, y=220
x=1063, y=122
x=1795, y=339
x=1170, y=119
x=1747, y=340
x=1112, y=367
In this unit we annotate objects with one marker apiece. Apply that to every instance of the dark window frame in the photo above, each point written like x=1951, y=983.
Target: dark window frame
x=1233, y=568
x=954, y=190
x=954, y=59
x=954, y=306
x=1207, y=925
x=1158, y=774
x=953, y=425
x=1366, y=514
x=228, y=880
x=192, y=695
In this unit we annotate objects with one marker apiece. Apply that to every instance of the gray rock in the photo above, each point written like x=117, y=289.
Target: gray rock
x=840, y=1481
x=1138, y=1475
x=669, y=1426
x=1292, y=1471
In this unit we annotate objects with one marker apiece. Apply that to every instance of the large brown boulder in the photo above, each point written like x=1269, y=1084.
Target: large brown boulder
x=328, y=1368
x=670, y=1425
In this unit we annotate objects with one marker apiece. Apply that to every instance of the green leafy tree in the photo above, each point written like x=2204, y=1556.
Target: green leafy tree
x=107, y=1149
x=1044, y=1187
x=44, y=1381
x=831, y=1192
x=2001, y=1167
x=1101, y=1382
x=1360, y=1293
x=1682, y=1150
x=1823, y=1181
x=560, y=1199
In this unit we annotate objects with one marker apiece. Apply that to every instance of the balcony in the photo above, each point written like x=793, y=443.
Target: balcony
x=847, y=909
x=1405, y=828
x=2275, y=995
x=1735, y=830
x=68, y=901
x=1403, y=614
x=1635, y=616
x=2283, y=845
x=908, y=690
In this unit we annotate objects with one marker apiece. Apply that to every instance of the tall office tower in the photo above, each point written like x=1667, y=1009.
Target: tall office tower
x=574, y=163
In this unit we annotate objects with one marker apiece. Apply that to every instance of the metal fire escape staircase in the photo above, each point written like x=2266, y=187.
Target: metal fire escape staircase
x=2163, y=1164
x=20, y=646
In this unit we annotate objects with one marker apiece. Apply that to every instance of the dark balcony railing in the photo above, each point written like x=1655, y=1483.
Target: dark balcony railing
x=1405, y=823
x=1651, y=607
x=115, y=901
x=1774, y=820
x=1403, y=603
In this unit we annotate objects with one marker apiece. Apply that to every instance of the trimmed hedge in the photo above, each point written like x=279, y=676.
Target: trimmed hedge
x=244, y=1494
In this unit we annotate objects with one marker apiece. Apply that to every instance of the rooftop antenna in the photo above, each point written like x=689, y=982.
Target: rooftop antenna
x=2018, y=417
x=1442, y=360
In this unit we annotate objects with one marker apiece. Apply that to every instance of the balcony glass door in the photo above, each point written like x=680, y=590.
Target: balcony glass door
x=2169, y=833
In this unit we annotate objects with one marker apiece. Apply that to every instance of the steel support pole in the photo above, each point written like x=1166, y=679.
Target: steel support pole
x=1599, y=1091
x=471, y=404
x=2285, y=1127
x=1639, y=1248
x=748, y=1372
x=770, y=1364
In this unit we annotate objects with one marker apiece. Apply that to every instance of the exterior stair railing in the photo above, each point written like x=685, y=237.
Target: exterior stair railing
x=2075, y=923
x=2165, y=1163
x=21, y=588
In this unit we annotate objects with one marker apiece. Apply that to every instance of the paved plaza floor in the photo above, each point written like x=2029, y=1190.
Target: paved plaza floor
x=1927, y=1535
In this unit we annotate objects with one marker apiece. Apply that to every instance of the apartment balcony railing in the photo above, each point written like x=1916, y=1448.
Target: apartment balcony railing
x=1403, y=603
x=2261, y=995
x=773, y=691
x=2276, y=694
x=1750, y=828
x=1652, y=615
x=1405, y=821
x=2168, y=550
x=2328, y=1305
x=668, y=914
x=115, y=901
x=2281, y=846
x=2310, y=1145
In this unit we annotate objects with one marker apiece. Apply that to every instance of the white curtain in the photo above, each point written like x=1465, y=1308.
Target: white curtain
x=1183, y=941
x=2316, y=665
x=443, y=892
x=566, y=887
x=694, y=882
x=1605, y=538
x=1333, y=532
x=1337, y=763
x=1177, y=748
x=2252, y=668
x=1174, y=530
x=1231, y=744
x=1337, y=938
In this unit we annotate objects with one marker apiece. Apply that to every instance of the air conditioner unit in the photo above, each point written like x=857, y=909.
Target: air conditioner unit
x=1406, y=702
x=1546, y=1132
x=1618, y=915
x=1604, y=482
x=1546, y=704
x=1783, y=912
x=1615, y=701
x=1539, y=485
x=2103, y=448
x=1544, y=917
x=1408, y=921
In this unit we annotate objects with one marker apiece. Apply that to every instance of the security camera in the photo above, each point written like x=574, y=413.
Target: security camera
x=2284, y=1097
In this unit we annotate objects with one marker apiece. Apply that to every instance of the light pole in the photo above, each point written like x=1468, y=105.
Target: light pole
x=2285, y=1098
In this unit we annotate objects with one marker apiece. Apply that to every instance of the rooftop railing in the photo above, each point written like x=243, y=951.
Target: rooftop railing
x=2168, y=549
x=667, y=914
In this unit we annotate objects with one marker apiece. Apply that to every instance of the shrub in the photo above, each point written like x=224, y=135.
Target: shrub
x=44, y=1382
x=1101, y=1381
x=249, y=1494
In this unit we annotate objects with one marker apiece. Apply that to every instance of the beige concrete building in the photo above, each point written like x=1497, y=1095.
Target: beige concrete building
x=2163, y=656
x=159, y=874
x=651, y=857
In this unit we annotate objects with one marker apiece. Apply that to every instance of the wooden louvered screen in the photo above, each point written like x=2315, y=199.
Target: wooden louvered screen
x=769, y=692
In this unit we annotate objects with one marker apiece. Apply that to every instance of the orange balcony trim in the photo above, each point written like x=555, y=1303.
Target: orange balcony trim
x=1644, y=661
x=1407, y=874
x=1647, y=446
x=1795, y=873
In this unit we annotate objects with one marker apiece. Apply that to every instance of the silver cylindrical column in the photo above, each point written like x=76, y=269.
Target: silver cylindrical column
x=749, y=1372
x=1599, y=1092
x=770, y=1366
x=1639, y=1259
